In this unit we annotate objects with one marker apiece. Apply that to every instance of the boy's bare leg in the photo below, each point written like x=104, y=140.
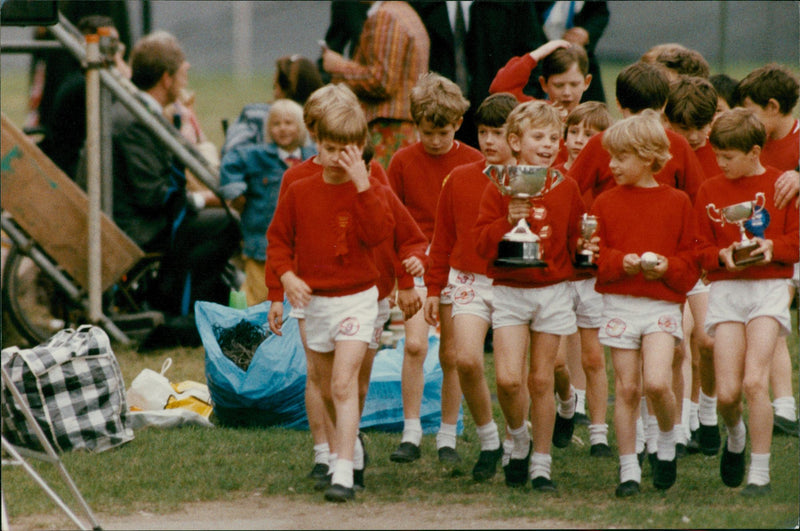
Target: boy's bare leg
x=593, y=361
x=658, y=350
x=451, y=388
x=729, y=353
x=544, y=349
x=762, y=335
x=565, y=398
x=320, y=423
x=708, y=432
x=781, y=384
x=470, y=332
x=510, y=354
x=578, y=379
x=627, y=408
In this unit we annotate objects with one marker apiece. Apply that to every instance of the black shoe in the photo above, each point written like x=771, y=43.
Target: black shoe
x=709, y=439
x=754, y=491
x=448, y=456
x=651, y=459
x=731, y=467
x=784, y=426
x=516, y=470
x=665, y=473
x=405, y=453
x=627, y=488
x=640, y=456
x=323, y=483
x=319, y=471
x=680, y=450
x=338, y=493
x=581, y=419
x=600, y=450
x=486, y=466
x=694, y=444
x=543, y=484
x=562, y=431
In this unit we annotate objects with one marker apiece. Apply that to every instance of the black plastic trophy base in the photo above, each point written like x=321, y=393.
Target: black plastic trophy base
x=741, y=254
x=518, y=254
x=585, y=261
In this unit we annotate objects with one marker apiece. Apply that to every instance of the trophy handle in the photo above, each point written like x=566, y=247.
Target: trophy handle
x=711, y=208
x=555, y=178
x=759, y=203
x=497, y=175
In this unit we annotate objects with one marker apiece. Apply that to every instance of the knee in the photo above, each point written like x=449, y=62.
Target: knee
x=727, y=396
x=508, y=385
x=754, y=386
x=541, y=384
x=657, y=389
x=448, y=360
x=469, y=366
x=594, y=362
x=416, y=348
x=627, y=394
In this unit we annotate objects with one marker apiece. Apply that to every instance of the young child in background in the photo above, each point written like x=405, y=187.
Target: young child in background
x=725, y=86
x=748, y=306
x=677, y=60
x=458, y=275
x=331, y=274
x=250, y=177
x=416, y=174
x=532, y=306
x=643, y=293
x=584, y=355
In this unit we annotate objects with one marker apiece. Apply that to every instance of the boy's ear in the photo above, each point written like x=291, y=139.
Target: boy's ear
x=457, y=124
x=543, y=83
x=588, y=81
x=514, y=142
x=755, y=151
x=772, y=106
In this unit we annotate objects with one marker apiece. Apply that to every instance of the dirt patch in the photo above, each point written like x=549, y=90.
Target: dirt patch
x=258, y=512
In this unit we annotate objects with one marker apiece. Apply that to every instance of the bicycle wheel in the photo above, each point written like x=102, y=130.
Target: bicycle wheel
x=35, y=304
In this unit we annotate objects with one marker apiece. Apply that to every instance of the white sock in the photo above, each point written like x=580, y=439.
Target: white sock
x=332, y=462
x=598, y=434
x=707, y=413
x=629, y=469
x=343, y=473
x=694, y=421
x=651, y=434
x=686, y=415
x=737, y=437
x=666, y=445
x=759, y=469
x=639, y=435
x=358, y=455
x=540, y=465
x=522, y=442
x=580, y=403
x=412, y=431
x=488, y=436
x=508, y=447
x=566, y=408
x=681, y=434
x=785, y=407
x=322, y=453
x=446, y=436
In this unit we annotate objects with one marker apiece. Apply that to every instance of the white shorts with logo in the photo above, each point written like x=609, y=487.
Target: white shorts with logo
x=547, y=309
x=588, y=304
x=741, y=301
x=626, y=319
x=349, y=317
x=383, y=316
x=470, y=293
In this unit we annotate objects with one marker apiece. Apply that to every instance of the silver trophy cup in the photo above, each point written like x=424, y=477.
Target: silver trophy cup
x=589, y=224
x=521, y=247
x=739, y=214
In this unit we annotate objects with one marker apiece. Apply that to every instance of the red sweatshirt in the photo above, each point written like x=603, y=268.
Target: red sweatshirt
x=708, y=160
x=782, y=228
x=635, y=220
x=452, y=244
x=326, y=233
x=682, y=171
x=513, y=77
x=783, y=153
x=564, y=209
x=416, y=177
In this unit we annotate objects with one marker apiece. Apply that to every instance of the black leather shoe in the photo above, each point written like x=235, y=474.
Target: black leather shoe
x=709, y=439
x=600, y=450
x=694, y=444
x=319, y=471
x=340, y=494
x=754, y=491
x=543, y=484
x=665, y=473
x=784, y=426
x=486, y=466
x=516, y=470
x=324, y=483
x=405, y=453
x=680, y=450
x=627, y=488
x=448, y=455
x=562, y=431
x=581, y=419
x=731, y=467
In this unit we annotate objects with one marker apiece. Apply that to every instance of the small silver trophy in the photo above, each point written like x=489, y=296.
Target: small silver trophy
x=739, y=214
x=589, y=224
x=520, y=247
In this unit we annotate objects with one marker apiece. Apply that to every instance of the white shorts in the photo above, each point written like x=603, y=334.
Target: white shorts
x=795, y=280
x=626, y=319
x=297, y=313
x=383, y=316
x=350, y=317
x=699, y=287
x=741, y=301
x=471, y=293
x=588, y=304
x=547, y=309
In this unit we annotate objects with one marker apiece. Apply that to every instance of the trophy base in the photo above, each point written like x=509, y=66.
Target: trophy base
x=519, y=262
x=741, y=255
x=585, y=261
x=518, y=254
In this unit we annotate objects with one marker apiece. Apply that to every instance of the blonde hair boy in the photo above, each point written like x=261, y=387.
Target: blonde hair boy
x=438, y=100
x=342, y=123
x=319, y=101
x=534, y=114
x=642, y=135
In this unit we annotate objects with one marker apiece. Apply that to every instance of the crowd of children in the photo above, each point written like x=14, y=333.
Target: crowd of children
x=687, y=277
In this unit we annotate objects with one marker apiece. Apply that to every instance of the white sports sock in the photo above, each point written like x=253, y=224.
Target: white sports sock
x=332, y=462
x=651, y=434
x=694, y=421
x=785, y=407
x=322, y=453
x=737, y=437
x=540, y=465
x=598, y=434
x=629, y=469
x=412, y=431
x=759, y=469
x=686, y=415
x=522, y=440
x=488, y=436
x=446, y=436
x=580, y=403
x=566, y=408
x=639, y=435
x=343, y=473
x=708, y=410
x=358, y=455
x=508, y=447
x=666, y=445
x=681, y=434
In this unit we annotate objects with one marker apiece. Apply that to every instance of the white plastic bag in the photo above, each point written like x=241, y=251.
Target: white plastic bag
x=151, y=390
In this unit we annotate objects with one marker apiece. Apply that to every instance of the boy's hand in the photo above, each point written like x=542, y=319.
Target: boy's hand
x=431, y=310
x=297, y=291
x=577, y=35
x=631, y=264
x=765, y=247
x=592, y=244
x=726, y=258
x=518, y=208
x=414, y=266
x=786, y=188
x=275, y=317
x=353, y=164
x=409, y=302
x=658, y=271
x=547, y=48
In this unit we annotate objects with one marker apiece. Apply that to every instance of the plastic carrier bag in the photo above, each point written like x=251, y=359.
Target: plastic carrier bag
x=383, y=408
x=271, y=392
x=74, y=389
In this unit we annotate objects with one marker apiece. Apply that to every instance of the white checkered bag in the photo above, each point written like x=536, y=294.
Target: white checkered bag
x=74, y=389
